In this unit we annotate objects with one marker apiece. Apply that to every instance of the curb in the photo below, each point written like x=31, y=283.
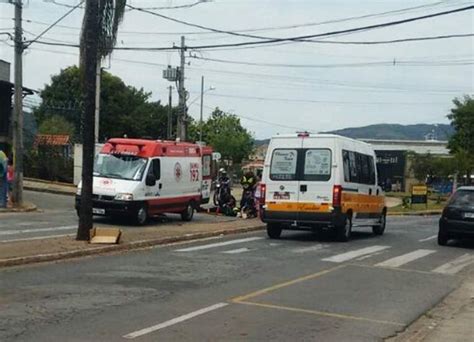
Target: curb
x=124, y=247
x=51, y=191
x=415, y=213
x=27, y=209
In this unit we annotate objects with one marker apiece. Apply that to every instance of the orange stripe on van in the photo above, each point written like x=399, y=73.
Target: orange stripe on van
x=300, y=207
x=362, y=203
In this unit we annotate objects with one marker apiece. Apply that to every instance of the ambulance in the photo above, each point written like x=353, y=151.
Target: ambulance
x=144, y=178
x=321, y=182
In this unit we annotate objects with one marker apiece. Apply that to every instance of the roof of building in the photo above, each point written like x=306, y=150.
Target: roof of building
x=52, y=139
x=417, y=146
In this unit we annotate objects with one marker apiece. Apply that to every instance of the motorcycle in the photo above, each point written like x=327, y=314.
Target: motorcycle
x=223, y=198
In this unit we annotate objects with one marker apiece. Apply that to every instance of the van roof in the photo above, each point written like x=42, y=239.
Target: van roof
x=317, y=136
x=152, y=148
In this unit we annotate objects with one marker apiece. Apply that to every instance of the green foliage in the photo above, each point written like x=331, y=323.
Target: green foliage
x=48, y=164
x=226, y=135
x=462, y=119
x=426, y=166
x=123, y=110
x=56, y=125
x=461, y=143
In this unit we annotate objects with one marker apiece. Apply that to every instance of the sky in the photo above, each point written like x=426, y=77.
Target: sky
x=295, y=86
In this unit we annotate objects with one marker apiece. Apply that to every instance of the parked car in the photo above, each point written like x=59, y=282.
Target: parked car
x=457, y=220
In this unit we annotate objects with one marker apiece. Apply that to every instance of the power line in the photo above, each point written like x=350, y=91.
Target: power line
x=341, y=65
x=286, y=79
x=28, y=43
x=261, y=98
x=303, y=38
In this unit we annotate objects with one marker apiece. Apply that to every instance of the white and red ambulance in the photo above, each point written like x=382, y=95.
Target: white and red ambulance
x=143, y=178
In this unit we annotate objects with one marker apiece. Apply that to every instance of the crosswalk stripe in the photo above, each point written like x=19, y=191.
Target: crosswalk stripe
x=313, y=248
x=405, y=258
x=237, y=251
x=356, y=253
x=219, y=244
x=456, y=265
x=429, y=238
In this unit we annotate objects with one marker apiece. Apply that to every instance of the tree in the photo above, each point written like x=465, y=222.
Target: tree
x=226, y=135
x=461, y=143
x=56, y=125
x=124, y=108
x=427, y=167
x=98, y=37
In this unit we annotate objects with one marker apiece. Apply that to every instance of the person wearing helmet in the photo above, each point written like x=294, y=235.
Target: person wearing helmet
x=248, y=182
x=223, y=178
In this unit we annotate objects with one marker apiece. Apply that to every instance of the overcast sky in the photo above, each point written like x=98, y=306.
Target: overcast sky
x=314, y=86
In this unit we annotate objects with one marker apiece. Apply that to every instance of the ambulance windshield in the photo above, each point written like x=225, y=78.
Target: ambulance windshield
x=119, y=166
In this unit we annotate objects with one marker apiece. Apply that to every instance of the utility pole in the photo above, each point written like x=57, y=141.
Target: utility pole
x=200, y=116
x=169, y=131
x=181, y=133
x=18, y=114
x=97, y=100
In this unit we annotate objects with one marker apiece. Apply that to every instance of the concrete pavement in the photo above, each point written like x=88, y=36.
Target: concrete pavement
x=241, y=287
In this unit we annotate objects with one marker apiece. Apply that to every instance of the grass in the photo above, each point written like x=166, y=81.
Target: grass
x=432, y=205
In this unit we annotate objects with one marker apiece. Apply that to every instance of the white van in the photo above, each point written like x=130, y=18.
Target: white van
x=321, y=181
x=143, y=178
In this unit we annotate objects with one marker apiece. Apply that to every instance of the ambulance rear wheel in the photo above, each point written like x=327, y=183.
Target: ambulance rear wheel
x=273, y=230
x=188, y=213
x=142, y=216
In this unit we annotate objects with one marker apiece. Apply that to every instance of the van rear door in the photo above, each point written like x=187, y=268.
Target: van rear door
x=315, y=189
x=282, y=183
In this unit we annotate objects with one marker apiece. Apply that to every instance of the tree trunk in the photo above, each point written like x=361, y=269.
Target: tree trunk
x=89, y=58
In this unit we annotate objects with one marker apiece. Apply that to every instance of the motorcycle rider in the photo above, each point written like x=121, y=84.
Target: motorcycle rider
x=248, y=182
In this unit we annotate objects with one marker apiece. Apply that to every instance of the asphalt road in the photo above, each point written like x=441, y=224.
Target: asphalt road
x=239, y=288
x=57, y=217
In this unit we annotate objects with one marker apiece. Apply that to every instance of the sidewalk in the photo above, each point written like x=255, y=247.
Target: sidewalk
x=50, y=249
x=47, y=186
x=451, y=320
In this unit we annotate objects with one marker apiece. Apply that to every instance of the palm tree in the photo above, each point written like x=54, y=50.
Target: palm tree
x=99, y=33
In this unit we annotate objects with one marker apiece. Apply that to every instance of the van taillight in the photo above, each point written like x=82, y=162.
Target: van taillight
x=336, y=196
x=263, y=192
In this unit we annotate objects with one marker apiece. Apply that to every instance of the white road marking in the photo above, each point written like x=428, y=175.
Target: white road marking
x=456, y=265
x=37, y=238
x=218, y=244
x=37, y=230
x=314, y=248
x=429, y=238
x=237, y=251
x=405, y=258
x=174, y=321
x=354, y=254
x=368, y=256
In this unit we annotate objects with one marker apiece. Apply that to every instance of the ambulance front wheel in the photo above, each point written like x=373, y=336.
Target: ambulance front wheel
x=273, y=230
x=142, y=215
x=188, y=213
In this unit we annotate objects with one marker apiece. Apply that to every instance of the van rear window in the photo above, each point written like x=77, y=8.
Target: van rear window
x=317, y=165
x=283, y=165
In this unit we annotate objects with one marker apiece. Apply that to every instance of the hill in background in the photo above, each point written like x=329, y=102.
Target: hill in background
x=392, y=131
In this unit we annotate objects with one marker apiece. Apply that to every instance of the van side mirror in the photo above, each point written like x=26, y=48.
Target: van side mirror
x=150, y=180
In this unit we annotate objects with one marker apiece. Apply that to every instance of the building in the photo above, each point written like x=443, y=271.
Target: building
x=6, y=94
x=393, y=160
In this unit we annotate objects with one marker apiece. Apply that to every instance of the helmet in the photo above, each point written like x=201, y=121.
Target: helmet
x=222, y=171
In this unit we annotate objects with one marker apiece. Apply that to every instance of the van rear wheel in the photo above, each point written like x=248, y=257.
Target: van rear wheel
x=343, y=232
x=188, y=213
x=273, y=230
x=380, y=228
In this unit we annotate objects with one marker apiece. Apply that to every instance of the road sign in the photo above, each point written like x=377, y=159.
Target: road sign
x=419, y=194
